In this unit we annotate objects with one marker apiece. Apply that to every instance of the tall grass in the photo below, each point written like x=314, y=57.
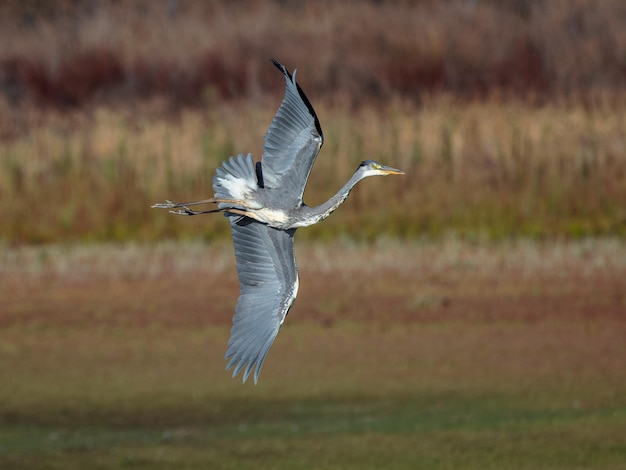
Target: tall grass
x=481, y=170
x=508, y=117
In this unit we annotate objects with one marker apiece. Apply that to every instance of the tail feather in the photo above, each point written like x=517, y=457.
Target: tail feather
x=236, y=179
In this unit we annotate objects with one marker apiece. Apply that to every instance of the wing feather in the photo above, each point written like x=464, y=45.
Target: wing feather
x=292, y=142
x=268, y=282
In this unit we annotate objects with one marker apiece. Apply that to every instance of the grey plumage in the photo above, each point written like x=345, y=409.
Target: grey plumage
x=264, y=207
x=292, y=143
x=268, y=281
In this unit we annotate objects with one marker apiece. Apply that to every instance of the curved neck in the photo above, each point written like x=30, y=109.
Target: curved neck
x=316, y=214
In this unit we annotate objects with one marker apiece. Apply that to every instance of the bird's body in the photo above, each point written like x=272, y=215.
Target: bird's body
x=263, y=203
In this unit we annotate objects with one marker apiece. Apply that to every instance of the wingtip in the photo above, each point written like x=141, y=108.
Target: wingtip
x=292, y=78
x=239, y=366
x=282, y=68
x=277, y=64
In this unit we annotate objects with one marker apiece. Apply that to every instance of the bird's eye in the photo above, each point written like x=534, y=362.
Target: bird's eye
x=376, y=166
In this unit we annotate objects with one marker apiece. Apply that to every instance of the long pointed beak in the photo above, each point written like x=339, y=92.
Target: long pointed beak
x=387, y=170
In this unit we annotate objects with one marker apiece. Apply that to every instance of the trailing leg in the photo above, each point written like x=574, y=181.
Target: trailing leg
x=173, y=205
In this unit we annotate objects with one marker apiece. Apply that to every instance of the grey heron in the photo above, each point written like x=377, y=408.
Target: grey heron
x=264, y=206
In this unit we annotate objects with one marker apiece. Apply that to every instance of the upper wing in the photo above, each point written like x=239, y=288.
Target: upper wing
x=268, y=281
x=292, y=142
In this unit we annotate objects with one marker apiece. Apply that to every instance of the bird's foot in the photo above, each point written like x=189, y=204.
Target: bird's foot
x=173, y=205
x=165, y=205
x=186, y=211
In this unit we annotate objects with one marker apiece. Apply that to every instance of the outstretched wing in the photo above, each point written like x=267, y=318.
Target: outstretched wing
x=268, y=280
x=292, y=142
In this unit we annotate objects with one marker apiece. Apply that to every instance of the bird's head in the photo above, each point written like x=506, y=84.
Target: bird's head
x=372, y=168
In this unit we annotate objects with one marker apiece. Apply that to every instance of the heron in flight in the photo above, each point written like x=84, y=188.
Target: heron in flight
x=264, y=206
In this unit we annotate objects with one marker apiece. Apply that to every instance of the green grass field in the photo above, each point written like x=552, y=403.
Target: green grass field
x=444, y=355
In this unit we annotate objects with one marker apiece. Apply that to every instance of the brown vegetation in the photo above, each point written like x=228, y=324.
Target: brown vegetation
x=428, y=290
x=486, y=170
x=508, y=117
x=113, y=357
x=68, y=54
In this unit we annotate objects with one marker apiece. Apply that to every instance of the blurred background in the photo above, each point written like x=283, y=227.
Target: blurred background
x=507, y=116
x=470, y=314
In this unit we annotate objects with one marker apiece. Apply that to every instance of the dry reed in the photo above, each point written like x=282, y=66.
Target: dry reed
x=508, y=117
x=493, y=170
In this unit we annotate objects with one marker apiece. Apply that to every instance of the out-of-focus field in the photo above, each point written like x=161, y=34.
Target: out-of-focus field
x=446, y=355
x=470, y=314
x=485, y=170
x=508, y=117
